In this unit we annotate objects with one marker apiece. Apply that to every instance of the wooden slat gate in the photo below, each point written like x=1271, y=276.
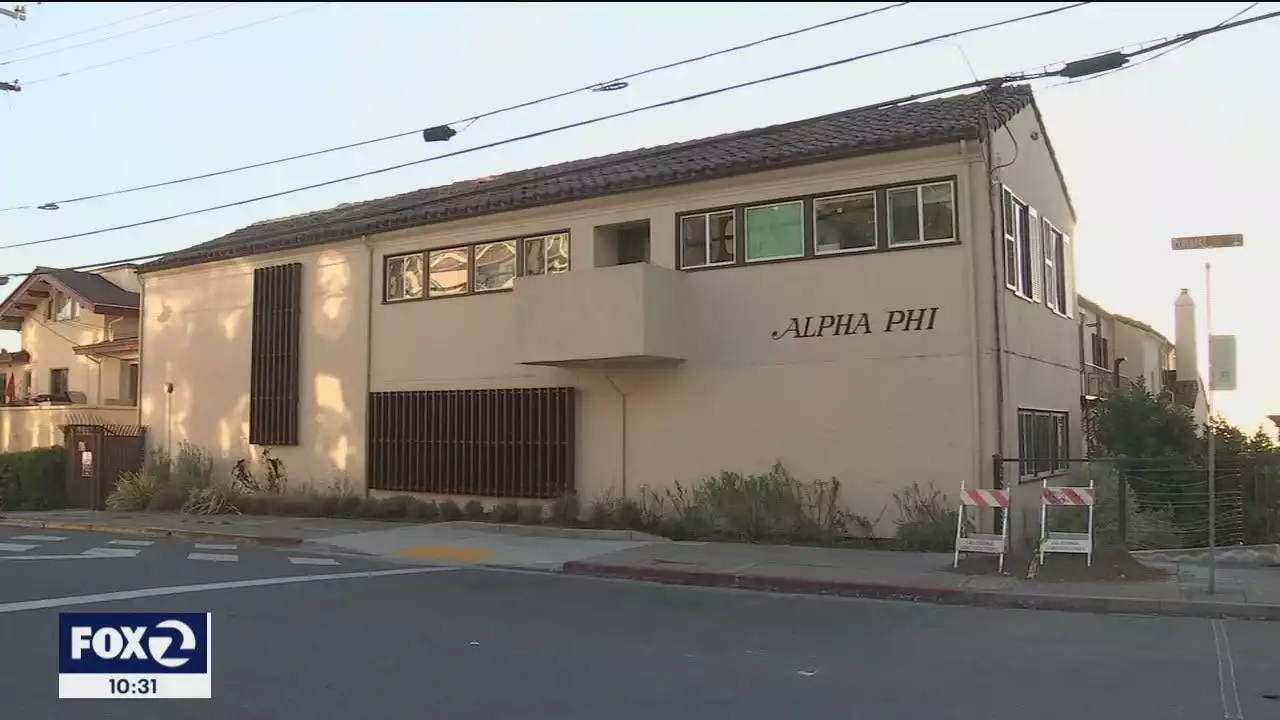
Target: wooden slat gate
x=96, y=456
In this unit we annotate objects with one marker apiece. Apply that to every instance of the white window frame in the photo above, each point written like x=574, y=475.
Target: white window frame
x=386, y=275
x=746, y=233
x=919, y=190
x=1037, y=255
x=1054, y=241
x=522, y=261
x=73, y=307
x=875, y=223
x=1019, y=238
x=1059, y=425
x=475, y=265
x=1069, y=277
x=706, y=237
x=427, y=270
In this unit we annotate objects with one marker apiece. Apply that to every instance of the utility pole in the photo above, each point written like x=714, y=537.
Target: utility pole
x=19, y=13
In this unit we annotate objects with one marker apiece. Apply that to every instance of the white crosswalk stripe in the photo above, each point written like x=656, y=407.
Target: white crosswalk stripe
x=312, y=561
x=39, y=538
x=133, y=543
x=14, y=547
x=214, y=557
x=111, y=552
x=214, y=546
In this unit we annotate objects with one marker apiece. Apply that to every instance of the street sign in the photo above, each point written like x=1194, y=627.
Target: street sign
x=1207, y=242
x=1222, y=361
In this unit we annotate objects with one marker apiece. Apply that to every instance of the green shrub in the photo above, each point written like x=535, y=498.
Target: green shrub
x=628, y=515
x=396, y=506
x=422, y=511
x=212, y=500
x=566, y=510
x=169, y=498
x=600, y=514
x=347, y=506
x=506, y=512
x=474, y=510
x=33, y=479
x=193, y=468
x=133, y=491
x=926, y=522
x=449, y=510
x=530, y=514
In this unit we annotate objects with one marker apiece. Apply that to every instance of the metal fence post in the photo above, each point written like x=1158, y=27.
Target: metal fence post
x=997, y=482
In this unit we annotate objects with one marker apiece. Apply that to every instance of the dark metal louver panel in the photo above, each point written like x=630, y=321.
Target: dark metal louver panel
x=273, y=371
x=516, y=443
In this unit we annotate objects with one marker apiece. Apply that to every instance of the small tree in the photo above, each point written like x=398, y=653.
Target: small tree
x=1132, y=422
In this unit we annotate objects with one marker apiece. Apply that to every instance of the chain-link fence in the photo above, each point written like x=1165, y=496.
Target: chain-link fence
x=1165, y=504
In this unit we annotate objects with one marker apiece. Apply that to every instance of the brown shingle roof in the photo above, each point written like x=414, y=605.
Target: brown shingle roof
x=838, y=135
x=94, y=289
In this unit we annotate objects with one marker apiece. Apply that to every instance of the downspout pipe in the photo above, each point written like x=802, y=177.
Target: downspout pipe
x=368, y=353
x=623, y=396
x=997, y=252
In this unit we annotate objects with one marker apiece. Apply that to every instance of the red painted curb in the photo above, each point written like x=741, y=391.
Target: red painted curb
x=934, y=594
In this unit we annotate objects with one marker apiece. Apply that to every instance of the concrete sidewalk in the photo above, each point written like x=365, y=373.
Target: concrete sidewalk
x=1242, y=592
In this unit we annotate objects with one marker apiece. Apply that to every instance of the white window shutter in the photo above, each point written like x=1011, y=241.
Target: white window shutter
x=1037, y=255
x=1069, y=260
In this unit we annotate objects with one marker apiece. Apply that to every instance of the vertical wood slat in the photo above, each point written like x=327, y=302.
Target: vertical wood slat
x=274, y=355
x=507, y=443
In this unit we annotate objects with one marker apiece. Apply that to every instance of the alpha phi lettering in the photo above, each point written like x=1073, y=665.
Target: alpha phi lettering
x=908, y=320
x=813, y=326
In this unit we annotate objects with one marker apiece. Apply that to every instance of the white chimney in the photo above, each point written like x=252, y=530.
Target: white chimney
x=1185, y=339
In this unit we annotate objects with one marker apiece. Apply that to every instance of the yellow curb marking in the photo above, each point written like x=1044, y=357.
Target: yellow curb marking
x=446, y=552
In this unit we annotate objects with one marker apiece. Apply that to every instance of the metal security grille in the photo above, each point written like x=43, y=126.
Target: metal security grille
x=515, y=443
x=273, y=372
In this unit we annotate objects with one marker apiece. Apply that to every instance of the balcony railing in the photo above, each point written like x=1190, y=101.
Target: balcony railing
x=1098, y=381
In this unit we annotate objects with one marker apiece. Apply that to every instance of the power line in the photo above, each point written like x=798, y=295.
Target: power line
x=469, y=120
x=1075, y=68
x=87, y=43
x=1162, y=53
x=95, y=28
x=176, y=45
x=549, y=131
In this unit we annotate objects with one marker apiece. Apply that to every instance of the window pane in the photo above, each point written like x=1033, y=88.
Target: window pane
x=723, y=246
x=775, y=231
x=495, y=265
x=693, y=241
x=1024, y=250
x=448, y=272
x=845, y=223
x=395, y=278
x=413, y=276
x=557, y=253
x=1011, y=262
x=939, y=212
x=1008, y=213
x=1060, y=266
x=1044, y=443
x=535, y=259
x=904, y=216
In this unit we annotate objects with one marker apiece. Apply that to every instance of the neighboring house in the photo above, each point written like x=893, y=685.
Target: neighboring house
x=1147, y=354
x=851, y=294
x=1097, y=350
x=79, y=357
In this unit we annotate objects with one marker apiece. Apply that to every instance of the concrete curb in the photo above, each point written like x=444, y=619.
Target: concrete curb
x=273, y=540
x=939, y=595
x=553, y=531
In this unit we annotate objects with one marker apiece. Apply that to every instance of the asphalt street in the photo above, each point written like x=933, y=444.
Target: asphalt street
x=471, y=643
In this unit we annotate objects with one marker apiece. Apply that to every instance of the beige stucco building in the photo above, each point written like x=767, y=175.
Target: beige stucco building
x=79, y=357
x=885, y=296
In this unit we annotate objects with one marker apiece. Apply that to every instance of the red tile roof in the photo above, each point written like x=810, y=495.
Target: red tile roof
x=838, y=135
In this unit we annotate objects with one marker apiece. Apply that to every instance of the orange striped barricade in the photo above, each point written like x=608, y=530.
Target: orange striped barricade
x=1065, y=542
x=979, y=543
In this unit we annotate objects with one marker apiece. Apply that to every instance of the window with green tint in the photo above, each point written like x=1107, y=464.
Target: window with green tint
x=775, y=231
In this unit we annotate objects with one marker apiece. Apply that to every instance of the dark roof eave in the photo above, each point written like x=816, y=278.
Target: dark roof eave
x=367, y=226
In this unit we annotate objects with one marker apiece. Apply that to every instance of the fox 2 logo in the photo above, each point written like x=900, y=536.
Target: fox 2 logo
x=146, y=643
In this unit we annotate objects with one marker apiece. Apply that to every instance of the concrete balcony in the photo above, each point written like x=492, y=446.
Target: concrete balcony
x=624, y=315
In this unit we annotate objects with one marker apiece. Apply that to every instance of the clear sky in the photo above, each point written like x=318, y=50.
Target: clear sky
x=1177, y=146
